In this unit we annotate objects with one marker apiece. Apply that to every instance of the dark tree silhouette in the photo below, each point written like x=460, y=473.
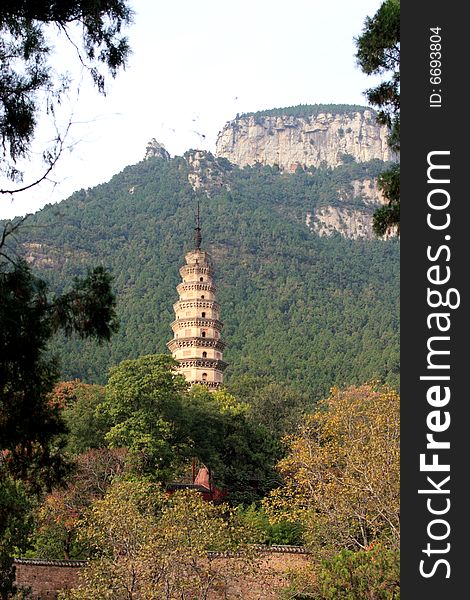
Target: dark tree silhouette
x=378, y=53
x=30, y=89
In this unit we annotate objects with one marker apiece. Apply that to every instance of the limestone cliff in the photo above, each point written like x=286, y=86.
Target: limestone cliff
x=206, y=173
x=351, y=215
x=156, y=150
x=290, y=141
x=352, y=223
x=303, y=136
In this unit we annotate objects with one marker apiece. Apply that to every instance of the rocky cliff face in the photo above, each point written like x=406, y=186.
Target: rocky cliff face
x=352, y=223
x=351, y=217
x=302, y=136
x=156, y=150
x=290, y=141
x=206, y=174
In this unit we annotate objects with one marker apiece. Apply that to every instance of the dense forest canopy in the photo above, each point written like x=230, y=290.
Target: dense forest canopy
x=300, y=308
x=308, y=110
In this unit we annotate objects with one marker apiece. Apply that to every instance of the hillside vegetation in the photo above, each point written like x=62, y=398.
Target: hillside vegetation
x=313, y=311
x=308, y=110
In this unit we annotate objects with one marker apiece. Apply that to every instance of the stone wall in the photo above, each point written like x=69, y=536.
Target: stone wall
x=46, y=577
x=271, y=576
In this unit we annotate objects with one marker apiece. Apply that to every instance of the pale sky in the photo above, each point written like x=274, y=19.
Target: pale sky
x=194, y=66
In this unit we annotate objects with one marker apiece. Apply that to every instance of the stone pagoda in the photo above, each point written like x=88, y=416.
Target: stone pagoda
x=196, y=344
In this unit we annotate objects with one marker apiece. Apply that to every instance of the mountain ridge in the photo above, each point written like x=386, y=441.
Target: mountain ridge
x=304, y=136
x=297, y=307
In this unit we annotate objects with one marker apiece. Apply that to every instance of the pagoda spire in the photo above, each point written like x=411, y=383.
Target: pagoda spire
x=197, y=230
x=196, y=343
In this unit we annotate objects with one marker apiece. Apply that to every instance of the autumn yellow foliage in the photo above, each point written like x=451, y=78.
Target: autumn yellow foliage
x=151, y=546
x=341, y=472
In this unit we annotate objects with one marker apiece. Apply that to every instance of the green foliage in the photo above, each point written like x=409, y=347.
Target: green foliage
x=373, y=573
x=275, y=406
x=389, y=183
x=307, y=110
x=86, y=423
x=31, y=424
x=49, y=544
x=347, y=158
x=378, y=53
x=164, y=427
x=264, y=532
x=143, y=405
x=298, y=308
x=241, y=454
x=387, y=217
x=27, y=81
x=88, y=309
x=157, y=546
x=15, y=526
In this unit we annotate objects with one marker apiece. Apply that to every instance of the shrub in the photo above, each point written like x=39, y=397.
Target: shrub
x=366, y=574
x=272, y=534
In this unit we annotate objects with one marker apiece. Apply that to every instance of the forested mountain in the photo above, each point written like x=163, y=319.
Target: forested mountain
x=308, y=110
x=297, y=307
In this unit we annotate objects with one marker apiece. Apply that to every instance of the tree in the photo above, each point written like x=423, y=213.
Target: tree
x=274, y=405
x=117, y=529
x=341, y=474
x=80, y=405
x=378, y=53
x=143, y=404
x=372, y=573
x=284, y=533
x=31, y=426
x=15, y=525
x=154, y=546
x=59, y=516
x=164, y=426
x=241, y=453
x=30, y=89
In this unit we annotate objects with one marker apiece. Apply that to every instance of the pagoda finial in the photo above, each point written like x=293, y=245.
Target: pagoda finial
x=197, y=229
